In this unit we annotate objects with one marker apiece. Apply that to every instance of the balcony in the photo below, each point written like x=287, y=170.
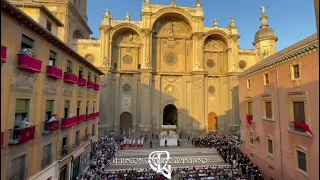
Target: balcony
x=29, y=63
x=70, y=78
x=21, y=135
x=69, y=122
x=3, y=54
x=96, y=87
x=50, y=127
x=2, y=139
x=90, y=84
x=81, y=118
x=82, y=81
x=54, y=72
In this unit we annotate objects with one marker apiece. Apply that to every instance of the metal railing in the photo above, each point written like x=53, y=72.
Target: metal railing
x=21, y=135
x=49, y=127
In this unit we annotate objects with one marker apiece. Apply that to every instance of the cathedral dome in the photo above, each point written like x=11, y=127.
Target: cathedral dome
x=265, y=32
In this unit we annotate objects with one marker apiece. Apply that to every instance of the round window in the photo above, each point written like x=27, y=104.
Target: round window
x=242, y=64
x=126, y=88
x=127, y=59
x=211, y=63
x=211, y=89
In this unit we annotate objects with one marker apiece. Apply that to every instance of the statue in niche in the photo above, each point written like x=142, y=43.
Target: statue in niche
x=147, y=63
x=105, y=62
x=265, y=53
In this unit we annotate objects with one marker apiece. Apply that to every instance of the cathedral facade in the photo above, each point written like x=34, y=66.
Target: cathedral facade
x=169, y=68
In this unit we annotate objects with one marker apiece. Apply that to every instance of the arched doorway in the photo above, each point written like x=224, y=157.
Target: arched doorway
x=170, y=115
x=212, y=122
x=125, y=122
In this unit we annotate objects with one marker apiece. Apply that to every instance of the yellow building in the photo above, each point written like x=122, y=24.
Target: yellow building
x=41, y=76
x=171, y=69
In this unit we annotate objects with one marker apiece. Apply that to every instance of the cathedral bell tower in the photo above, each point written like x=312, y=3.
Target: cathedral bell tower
x=265, y=39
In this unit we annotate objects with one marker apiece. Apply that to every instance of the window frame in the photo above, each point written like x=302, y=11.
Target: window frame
x=266, y=78
x=22, y=43
x=77, y=140
x=298, y=97
x=95, y=78
x=52, y=110
x=249, y=83
x=78, y=108
x=50, y=26
x=24, y=114
x=87, y=107
x=269, y=138
x=267, y=99
x=292, y=71
x=89, y=77
x=43, y=166
x=296, y=157
x=251, y=135
x=69, y=67
x=64, y=108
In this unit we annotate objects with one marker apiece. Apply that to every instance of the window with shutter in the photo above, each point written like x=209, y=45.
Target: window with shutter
x=80, y=71
x=266, y=79
x=18, y=168
x=49, y=109
x=26, y=42
x=77, y=140
x=268, y=109
x=296, y=71
x=22, y=110
x=93, y=130
x=69, y=67
x=46, y=156
x=299, y=115
x=52, y=58
x=94, y=106
x=302, y=160
x=66, y=109
x=87, y=108
x=251, y=138
x=78, y=108
x=249, y=108
x=89, y=76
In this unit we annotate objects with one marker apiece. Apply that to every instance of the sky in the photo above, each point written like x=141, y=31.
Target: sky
x=292, y=20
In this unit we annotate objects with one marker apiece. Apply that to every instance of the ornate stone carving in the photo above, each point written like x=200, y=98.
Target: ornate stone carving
x=146, y=81
x=213, y=45
x=200, y=83
x=24, y=82
x=170, y=58
x=105, y=62
x=211, y=89
x=88, y=95
x=170, y=91
x=126, y=101
x=199, y=66
x=126, y=77
x=212, y=101
x=126, y=88
x=147, y=63
x=172, y=28
x=127, y=59
x=170, y=79
x=68, y=90
x=211, y=63
x=104, y=81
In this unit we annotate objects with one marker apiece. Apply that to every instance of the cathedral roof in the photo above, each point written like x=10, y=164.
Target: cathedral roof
x=265, y=32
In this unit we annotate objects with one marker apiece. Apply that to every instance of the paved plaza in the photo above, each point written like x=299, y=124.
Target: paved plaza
x=180, y=157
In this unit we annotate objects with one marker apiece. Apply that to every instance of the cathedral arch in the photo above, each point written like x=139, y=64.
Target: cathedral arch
x=125, y=121
x=125, y=26
x=77, y=35
x=171, y=42
x=172, y=12
x=212, y=122
x=215, y=52
x=126, y=44
x=219, y=34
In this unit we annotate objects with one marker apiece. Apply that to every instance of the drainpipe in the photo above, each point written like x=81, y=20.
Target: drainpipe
x=279, y=121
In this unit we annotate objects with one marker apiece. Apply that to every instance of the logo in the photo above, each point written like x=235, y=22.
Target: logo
x=160, y=165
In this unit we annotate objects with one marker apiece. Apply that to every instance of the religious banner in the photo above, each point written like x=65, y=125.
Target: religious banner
x=54, y=125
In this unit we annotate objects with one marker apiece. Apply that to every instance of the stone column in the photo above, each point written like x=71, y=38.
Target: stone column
x=105, y=46
x=198, y=84
x=117, y=103
x=145, y=101
x=197, y=51
x=147, y=47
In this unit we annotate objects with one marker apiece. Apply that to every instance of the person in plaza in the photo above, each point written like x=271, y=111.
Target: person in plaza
x=138, y=142
x=134, y=142
x=130, y=142
x=142, y=141
x=165, y=142
x=150, y=143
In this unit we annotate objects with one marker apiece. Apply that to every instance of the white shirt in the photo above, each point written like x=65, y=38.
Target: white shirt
x=52, y=119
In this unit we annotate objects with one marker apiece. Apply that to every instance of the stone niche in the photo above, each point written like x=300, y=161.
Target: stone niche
x=215, y=55
x=24, y=81
x=126, y=50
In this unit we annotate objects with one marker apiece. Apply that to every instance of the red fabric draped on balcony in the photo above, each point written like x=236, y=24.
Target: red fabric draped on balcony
x=27, y=134
x=303, y=126
x=82, y=81
x=53, y=126
x=95, y=115
x=54, y=72
x=29, y=63
x=96, y=86
x=249, y=119
x=81, y=118
x=2, y=139
x=90, y=84
x=70, y=78
x=89, y=117
x=69, y=122
x=3, y=54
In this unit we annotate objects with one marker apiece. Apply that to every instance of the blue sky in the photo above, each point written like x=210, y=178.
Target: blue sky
x=292, y=20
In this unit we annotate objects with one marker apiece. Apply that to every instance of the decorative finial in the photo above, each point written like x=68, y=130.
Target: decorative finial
x=107, y=13
x=198, y=3
x=232, y=24
x=215, y=23
x=173, y=2
x=264, y=18
x=147, y=1
x=263, y=10
x=127, y=17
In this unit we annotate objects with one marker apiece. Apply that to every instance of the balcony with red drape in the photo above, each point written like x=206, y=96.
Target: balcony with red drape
x=29, y=63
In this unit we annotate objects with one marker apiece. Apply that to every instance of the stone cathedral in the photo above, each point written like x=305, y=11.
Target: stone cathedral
x=169, y=69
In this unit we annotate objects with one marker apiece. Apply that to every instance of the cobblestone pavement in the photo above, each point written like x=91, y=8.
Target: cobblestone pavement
x=183, y=156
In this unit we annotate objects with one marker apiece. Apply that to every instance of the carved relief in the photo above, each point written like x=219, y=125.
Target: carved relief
x=170, y=91
x=126, y=77
x=212, y=101
x=24, y=83
x=126, y=101
x=200, y=83
x=170, y=58
x=51, y=87
x=79, y=92
x=68, y=90
x=104, y=81
x=172, y=28
x=170, y=79
x=126, y=88
x=146, y=81
x=128, y=38
x=213, y=45
x=127, y=59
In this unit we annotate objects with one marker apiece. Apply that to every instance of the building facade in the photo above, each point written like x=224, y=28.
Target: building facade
x=171, y=69
x=41, y=76
x=279, y=112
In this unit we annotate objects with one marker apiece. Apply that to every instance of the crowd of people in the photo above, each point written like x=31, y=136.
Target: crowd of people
x=240, y=167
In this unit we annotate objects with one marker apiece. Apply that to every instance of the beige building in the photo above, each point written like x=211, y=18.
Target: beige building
x=42, y=76
x=169, y=68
